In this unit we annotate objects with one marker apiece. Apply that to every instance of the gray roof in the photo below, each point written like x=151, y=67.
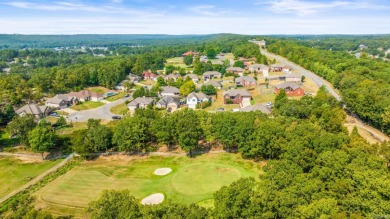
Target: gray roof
x=142, y=100
x=199, y=96
x=209, y=73
x=245, y=78
x=235, y=69
x=257, y=66
x=33, y=109
x=292, y=75
x=193, y=76
x=235, y=92
x=257, y=107
x=285, y=85
x=277, y=66
x=169, y=99
x=169, y=89
x=57, y=99
x=213, y=83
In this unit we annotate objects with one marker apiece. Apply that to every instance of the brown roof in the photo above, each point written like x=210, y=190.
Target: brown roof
x=84, y=94
x=235, y=92
x=33, y=109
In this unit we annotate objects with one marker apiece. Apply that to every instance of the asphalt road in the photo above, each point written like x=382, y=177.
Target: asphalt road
x=102, y=112
x=318, y=80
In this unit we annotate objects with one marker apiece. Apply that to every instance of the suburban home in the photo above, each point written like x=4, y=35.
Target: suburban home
x=287, y=69
x=140, y=102
x=147, y=75
x=194, y=77
x=86, y=95
x=257, y=107
x=60, y=101
x=236, y=70
x=168, y=102
x=169, y=91
x=203, y=59
x=195, y=98
x=214, y=83
x=245, y=81
x=238, y=96
x=259, y=68
x=276, y=67
x=211, y=74
x=134, y=78
x=172, y=76
x=189, y=53
x=34, y=109
x=291, y=88
x=121, y=86
x=293, y=78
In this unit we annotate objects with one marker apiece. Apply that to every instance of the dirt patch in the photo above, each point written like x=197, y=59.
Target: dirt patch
x=154, y=199
x=162, y=171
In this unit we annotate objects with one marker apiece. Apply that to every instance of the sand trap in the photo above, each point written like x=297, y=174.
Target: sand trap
x=162, y=171
x=154, y=199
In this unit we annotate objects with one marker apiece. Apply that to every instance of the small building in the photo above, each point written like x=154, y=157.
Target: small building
x=60, y=101
x=169, y=91
x=121, y=86
x=168, y=102
x=287, y=69
x=172, y=76
x=189, y=53
x=147, y=75
x=194, y=98
x=245, y=81
x=291, y=88
x=134, y=78
x=256, y=67
x=238, y=96
x=86, y=95
x=293, y=78
x=34, y=109
x=214, y=83
x=276, y=67
x=236, y=70
x=211, y=74
x=257, y=107
x=203, y=59
x=194, y=77
x=140, y=103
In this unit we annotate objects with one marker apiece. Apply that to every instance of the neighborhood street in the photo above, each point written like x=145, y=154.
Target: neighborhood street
x=318, y=80
x=102, y=112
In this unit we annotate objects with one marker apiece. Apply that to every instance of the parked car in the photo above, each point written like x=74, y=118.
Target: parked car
x=220, y=109
x=116, y=117
x=54, y=114
x=127, y=95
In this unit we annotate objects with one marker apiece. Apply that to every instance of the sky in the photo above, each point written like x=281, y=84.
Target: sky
x=255, y=17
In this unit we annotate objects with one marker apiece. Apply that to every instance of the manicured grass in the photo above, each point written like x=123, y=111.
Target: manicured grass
x=120, y=109
x=192, y=180
x=87, y=105
x=99, y=90
x=5, y=140
x=147, y=82
x=116, y=97
x=15, y=173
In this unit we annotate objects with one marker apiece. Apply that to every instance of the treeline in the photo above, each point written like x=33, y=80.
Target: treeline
x=364, y=83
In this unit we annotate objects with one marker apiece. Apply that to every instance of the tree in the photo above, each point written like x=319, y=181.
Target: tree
x=187, y=88
x=61, y=122
x=98, y=137
x=303, y=78
x=208, y=89
x=281, y=98
x=188, y=60
x=239, y=64
x=128, y=85
x=187, y=129
x=170, y=69
x=140, y=92
x=161, y=81
x=211, y=53
x=21, y=126
x=42, y=138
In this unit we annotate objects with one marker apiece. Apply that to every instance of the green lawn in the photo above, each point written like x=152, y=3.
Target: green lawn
x=14, y=173
x=87, y=105
x=120, y=109
x=5, y=140
x=193, y=180
x=116, y=97
x=99, y=90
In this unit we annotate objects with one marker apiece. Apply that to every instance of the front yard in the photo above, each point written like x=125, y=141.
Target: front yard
x=120, y=109
x=86, y=105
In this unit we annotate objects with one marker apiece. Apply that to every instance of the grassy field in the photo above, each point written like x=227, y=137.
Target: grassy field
x=116, y=97
x=147, y=82
x=87, y=105
x=120, y=109
x=99, y=89
x=15, y=173
x=193, y=180
x=5, y=140
x=177, y=62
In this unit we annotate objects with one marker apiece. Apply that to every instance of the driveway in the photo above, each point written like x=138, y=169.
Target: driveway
x=318, y=80
x=102, y=112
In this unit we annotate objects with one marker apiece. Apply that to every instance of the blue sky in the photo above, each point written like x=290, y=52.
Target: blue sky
x=195, y=17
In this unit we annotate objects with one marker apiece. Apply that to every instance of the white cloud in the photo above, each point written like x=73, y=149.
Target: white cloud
x=117, y=1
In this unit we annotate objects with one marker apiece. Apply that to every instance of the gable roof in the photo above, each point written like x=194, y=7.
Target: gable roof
x=213, y=83
x=169, y=89
x=199, y=96
x=277, y=66
x=175, y=76
x=246, y=79
x=209, y=73
x=169, y=99
x=141, y=100
x=57, y=99
x=235, y=69
x=257, y=107
x=33, y=109
x=285, y=85
x=84, y=94
x=235, y=92
x=257, y=66
x=148, y=74
x=193, y=76
x=292, y=75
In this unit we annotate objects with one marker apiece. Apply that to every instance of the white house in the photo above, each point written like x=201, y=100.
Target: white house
x=195, y=98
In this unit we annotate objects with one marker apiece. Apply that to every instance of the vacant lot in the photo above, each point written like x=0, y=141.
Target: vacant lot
x=192, y=180
x=99, y=89
x=87, y=105
x=15, y=173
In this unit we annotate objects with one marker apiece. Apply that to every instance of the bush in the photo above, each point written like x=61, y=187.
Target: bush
x=229, y=101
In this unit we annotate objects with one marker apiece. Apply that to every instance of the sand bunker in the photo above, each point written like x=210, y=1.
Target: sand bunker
x=154, y=199
x=162, y=171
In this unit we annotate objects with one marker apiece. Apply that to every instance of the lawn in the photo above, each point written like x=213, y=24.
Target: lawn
x=116, y=97
x=86, y=105
x=192, y=180
x=99, y=90
x=15, y=173
x=120, y=109
x=147, y=82
x=177, y=62
x=5, y=140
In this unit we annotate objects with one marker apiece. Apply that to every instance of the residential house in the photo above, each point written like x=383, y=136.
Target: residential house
x=291, y=88
x=121, y=86
x=259, y=68
x=257, y=107
x=172, y=76
x=245, y=81
x=147, y=75
x=168, y=102
x=60, y=101
x=236, y=70
x=195, y=98
x=276, y=67
x=293, y=78
x=140, y=102
x=194, y=77
x=238, y=96
x=287, y=69
x=86, y=95
x=203, y=59
x=34, y=109
x=211, y=74
x=134, y=78
x=214, y=83
x=169, y=91
x=189, y=53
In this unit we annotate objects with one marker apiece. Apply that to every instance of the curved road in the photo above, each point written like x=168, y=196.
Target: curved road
x=318, y=80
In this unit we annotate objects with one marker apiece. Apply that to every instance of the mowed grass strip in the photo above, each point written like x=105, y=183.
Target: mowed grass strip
x=15, y=173
x=192, y=180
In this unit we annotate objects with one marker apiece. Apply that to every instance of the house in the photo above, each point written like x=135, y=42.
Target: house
x=147, y=75
x=140, y=102
x=189, y=53
x=257, y=107
x=291, y=88
x=195, y=98
x=194, y=77
x=238, y=96
x=121, y=86
x=134, y=78
x=86, y=95
x=235, y=70
x=245, y=81
x=172, y=76
x=276, y=67
x=203, y=59
x=169, y=91
x=293, y=78
x=256, y=67
x=214, y=83
x=34, y=109
x=168, y=102
x=60, y=101
x=211, y=74
x=287, y=69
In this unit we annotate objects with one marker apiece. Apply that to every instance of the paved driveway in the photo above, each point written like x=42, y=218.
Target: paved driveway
x=102, y=112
